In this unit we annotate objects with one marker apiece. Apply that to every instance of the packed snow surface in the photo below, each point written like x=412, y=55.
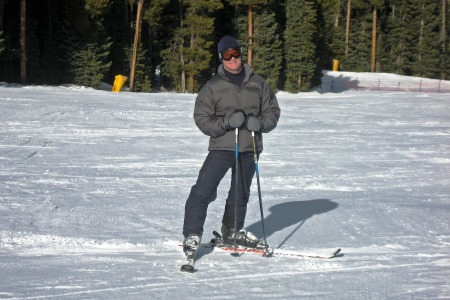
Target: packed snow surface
x=93, y=186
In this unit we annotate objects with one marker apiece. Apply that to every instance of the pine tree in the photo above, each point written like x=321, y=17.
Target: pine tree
x=358, y=37
x=190, y=50
x=90, y=64
x=171, y=66
x=90, y=61
x=413, y=38
x=445, y=39
x=240, y=27
x=376, y=6
x=51, y=39
x=142, y=79
x=300, y=47
x=267, y=47
x=426, y=60
x=331, y=36
x=398, y=38
x=119, y=27
x=200, y=26
x=381, y=53
x=173, y=62
x=358, y=59
x=250, y=6
x=96, y=7
x=155, y=18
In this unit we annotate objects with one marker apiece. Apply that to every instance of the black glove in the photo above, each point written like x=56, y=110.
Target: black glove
x=253, y=124
x=235, y=119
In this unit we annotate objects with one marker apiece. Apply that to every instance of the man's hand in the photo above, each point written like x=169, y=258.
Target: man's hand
x=253, y=124
x=235, y=119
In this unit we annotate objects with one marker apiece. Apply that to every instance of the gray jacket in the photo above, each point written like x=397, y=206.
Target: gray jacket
x=220, y=97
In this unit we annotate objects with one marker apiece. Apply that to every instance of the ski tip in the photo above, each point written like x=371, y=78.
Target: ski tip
x=336, y=252
x=268, y=254
x=187, y=269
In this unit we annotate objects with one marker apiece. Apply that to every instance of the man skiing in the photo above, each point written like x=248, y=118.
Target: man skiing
x=229, y=107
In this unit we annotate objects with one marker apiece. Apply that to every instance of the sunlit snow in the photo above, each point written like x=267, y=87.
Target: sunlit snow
x=93, y=186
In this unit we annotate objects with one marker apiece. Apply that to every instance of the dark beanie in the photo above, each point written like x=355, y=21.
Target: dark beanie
x=228, y=42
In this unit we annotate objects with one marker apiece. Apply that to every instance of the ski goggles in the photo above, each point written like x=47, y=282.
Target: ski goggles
x=227, y=55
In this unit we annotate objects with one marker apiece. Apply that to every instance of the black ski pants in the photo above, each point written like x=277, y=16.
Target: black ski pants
x=215, y=166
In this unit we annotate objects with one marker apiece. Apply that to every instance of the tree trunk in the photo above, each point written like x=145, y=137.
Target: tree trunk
x=23, y=38
x=374, y=40
x=250, y=35
x=183, y=81
x=136, y=42
x=347, y=30
x=191, y=83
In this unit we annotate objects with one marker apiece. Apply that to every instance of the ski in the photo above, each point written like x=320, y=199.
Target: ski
x=218, y=243
x=188, y=265
x=263, y=252
x=276, y=252
x=190, y=247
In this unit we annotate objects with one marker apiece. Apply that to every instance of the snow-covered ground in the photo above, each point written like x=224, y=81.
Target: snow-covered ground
x=93, y=186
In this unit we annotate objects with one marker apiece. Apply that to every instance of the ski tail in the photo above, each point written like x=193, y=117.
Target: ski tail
x=188, y=266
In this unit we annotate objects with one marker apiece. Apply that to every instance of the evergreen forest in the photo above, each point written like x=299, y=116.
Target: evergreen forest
x=170, y=45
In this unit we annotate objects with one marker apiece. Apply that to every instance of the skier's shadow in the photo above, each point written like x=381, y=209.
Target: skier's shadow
x=287, y=214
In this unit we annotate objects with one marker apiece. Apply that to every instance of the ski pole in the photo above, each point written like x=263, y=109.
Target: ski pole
x=236, y=154
x=255, y=156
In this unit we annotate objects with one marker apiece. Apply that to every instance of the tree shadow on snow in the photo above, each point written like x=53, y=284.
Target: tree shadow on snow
x=287, y=214
x=330, y=83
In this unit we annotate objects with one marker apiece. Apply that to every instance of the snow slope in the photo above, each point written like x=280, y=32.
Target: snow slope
x=93, y=185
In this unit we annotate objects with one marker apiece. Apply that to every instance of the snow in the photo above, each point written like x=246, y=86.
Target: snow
x=93, y=186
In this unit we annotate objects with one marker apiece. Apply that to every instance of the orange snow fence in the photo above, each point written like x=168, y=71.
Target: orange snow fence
x=119, y=81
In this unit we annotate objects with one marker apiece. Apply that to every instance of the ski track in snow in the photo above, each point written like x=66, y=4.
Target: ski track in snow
x=93, y=186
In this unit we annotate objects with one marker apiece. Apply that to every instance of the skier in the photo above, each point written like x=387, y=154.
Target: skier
x=236, y=97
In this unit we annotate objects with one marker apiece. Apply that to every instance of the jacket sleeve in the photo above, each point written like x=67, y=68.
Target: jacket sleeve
x=205, y=115
x=270, y=110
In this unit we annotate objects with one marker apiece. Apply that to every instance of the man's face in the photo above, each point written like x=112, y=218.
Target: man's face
x=232, y=60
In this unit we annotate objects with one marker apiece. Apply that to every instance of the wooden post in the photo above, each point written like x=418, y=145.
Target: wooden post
x=250, y=35
x=136, y=42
